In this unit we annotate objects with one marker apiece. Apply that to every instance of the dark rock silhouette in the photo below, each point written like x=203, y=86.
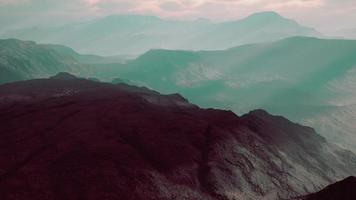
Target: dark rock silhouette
x=72, y=138
x=342, y=190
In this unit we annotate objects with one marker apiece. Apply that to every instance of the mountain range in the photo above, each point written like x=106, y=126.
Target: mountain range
x=308, y=80
x=22, y=60
x=82, y=139
x=160, y=109
x=136, y=34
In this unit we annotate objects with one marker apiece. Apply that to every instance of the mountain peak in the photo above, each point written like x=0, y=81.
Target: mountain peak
x=259, y=112
x=64, y=76
x=265, y=15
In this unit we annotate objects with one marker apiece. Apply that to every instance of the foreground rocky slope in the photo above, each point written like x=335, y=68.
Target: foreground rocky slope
x=69, y=138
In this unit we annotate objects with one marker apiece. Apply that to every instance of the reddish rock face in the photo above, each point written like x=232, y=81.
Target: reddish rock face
x=66, y=138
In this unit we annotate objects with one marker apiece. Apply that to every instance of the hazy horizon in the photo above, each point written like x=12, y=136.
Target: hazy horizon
x=327, y=16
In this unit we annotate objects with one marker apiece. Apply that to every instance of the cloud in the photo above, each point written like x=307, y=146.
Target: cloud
x=171, y=6
x=12, y=2
x=168, y=5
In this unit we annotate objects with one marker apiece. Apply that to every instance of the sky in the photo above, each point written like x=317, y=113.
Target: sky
x=324, y=15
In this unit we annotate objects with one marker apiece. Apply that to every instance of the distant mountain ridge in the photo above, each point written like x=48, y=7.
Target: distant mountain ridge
x=136, y=34
x=22, y=60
